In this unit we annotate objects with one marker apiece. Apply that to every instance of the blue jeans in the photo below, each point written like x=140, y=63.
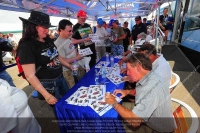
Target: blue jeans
x=57, y=87
x=5, y=76
x=169, y=35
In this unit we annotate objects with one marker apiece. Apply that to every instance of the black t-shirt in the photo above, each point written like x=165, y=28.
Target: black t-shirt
x=128, y=35
x=77, y=35
x=137, y=29
x=44, y=55
x=163, y=20
x=4, y=46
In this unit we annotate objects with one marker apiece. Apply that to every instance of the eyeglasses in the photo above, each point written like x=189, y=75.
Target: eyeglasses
x=137, y=20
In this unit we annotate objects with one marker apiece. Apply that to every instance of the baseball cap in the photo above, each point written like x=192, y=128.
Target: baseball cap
x=137, y=17
x=139, y=43
x=100, y=21
x=111, y=22
x=82, y=14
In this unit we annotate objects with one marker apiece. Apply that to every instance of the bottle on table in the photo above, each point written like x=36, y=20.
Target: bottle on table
x=96, y=77
x=75, y=68
x=112, y=61
x=107, y=57
x=103, y=72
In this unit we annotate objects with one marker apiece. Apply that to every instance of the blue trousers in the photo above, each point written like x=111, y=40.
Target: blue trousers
x=5, y=76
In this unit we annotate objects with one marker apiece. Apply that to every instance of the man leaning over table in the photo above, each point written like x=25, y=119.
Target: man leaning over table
x=67, y=51
x=159, y=64
x=152, y=112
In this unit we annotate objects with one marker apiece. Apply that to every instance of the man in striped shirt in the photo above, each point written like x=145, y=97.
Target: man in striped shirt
x=152, y=112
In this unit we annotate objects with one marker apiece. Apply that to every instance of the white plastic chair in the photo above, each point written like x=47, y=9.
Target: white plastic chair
x=174, y=81
x=182, y=126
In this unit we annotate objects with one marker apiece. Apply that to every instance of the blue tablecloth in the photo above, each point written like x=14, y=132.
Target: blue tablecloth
x=72, y=118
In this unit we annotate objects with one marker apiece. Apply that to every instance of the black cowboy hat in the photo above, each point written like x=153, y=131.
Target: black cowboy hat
x=38, y=18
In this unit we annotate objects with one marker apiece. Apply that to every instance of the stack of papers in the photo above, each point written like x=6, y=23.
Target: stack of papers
x=93, y=96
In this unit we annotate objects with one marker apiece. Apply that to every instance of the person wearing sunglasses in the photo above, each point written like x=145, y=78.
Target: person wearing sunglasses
x=152, y=111
x=68, y=52
x=137, y=29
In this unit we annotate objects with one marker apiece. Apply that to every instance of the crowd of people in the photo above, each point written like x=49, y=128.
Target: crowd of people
x=48, y=66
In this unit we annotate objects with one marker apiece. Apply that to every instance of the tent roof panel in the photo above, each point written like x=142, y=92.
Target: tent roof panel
x=94, y=8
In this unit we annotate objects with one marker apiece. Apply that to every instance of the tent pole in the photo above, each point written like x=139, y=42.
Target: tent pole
x=185, y=10
x=111, y=7
x=158, y=15
x=177, y=16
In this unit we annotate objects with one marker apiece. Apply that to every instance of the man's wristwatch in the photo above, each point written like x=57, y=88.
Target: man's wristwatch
x=114, y=104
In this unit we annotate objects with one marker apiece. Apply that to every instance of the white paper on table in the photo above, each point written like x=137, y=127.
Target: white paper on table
x=75, y=98
x=96, y=92
x=118, y=56
x=107, y=71
x=86, y=51
x=82, y=96
x=101, y=107
x=115, y=78
x=115, y=69
x=104, y=63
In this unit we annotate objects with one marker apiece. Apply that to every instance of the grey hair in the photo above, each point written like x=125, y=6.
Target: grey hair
x=143, y=35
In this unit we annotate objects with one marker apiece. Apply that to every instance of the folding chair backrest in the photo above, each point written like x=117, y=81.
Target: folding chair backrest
x=182, y=126
x=181, y=122
x=174, y=81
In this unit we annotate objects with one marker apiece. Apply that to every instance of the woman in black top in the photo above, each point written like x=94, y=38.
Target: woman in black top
x=39, y=58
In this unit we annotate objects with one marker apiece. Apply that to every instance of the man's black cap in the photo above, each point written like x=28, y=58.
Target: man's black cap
x=137, y=17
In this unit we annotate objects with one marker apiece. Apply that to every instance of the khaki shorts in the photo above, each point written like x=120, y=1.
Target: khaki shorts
x=70, y=78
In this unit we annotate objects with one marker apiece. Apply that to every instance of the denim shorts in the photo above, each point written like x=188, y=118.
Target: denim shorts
x=57, y=87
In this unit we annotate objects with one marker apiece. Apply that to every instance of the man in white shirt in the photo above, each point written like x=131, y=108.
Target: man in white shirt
x=149, y=38
x=102, y=34
x=159, y=63
x=67, y=52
